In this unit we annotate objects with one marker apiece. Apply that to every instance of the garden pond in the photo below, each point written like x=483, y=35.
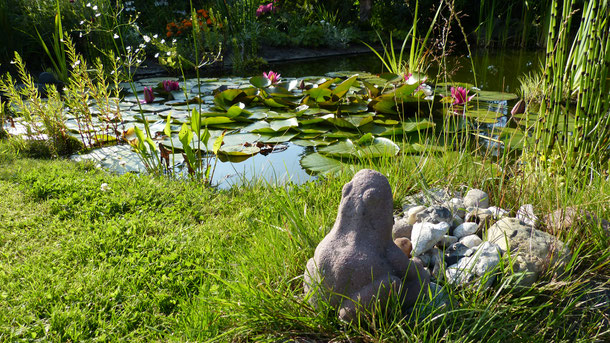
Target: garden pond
x=303, y=125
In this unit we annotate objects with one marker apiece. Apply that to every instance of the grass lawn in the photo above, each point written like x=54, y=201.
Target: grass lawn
x=147, y=259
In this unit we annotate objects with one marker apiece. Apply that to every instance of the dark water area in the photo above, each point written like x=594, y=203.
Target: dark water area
x=496, y=70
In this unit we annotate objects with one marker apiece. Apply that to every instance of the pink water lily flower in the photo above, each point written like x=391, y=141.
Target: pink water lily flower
x=170, y=85
x=149, y=96
x=272, y=76
x=460, y=95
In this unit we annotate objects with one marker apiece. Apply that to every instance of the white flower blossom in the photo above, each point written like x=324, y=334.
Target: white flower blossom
x=146, y=38
x=116, y=36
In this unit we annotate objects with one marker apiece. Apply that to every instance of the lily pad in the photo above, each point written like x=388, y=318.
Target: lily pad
x=319, y=163
x=494, y=96
x=379, y=147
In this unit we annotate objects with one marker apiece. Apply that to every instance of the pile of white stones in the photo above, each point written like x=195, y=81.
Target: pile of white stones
x=461, y=239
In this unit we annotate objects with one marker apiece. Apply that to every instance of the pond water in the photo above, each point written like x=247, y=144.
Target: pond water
x=284, y=155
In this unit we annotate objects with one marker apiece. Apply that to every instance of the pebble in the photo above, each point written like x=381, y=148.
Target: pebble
x=465, y=229
x=471, y=241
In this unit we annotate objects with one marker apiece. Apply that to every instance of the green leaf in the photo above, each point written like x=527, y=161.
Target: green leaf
x=344, y=86
x=319, y=94
x=216, y=121
x=196, y=122
x=366, y=139
x=493, y=96
x=218, y=143
x=325, y=165
x=239, y=150
x=313, y=142
x=235, y=110
x=260, y=81
x=352, y=121
x=185, y=136
x=285, y=137
x=377, y=148
x=168, y=126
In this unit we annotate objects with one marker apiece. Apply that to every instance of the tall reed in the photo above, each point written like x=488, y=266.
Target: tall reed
x=576, y=79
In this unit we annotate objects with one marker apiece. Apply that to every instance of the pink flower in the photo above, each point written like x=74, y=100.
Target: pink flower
x=148, y=95
x=272, y=76
x=170, y=85
x=460, y=95
x=262, y=9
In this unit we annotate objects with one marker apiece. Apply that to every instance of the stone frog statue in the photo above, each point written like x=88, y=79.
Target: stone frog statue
x=357, y=263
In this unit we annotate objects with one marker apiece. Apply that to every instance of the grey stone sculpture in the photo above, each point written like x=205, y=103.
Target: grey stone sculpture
x=357, y=263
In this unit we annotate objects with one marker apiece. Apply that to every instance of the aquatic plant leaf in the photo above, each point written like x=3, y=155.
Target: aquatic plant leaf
x=416, y=125
x=340, y=134
x=354, y=108
x=274, y=103
x=260, y=81
x=352, y=121
x=387, y=106
x=196, y=122
x=216, y=121
x=378, y=147
x=493, y=96
x=285, y=137
x=391, y=77
x=319, y=94
x=328, y=83
x=313, y=142
x=218, y=143
x=168, y=126
x=235, y=110
x=325, y=165
x=344, y=86
x=283, y=125
x=239, y=150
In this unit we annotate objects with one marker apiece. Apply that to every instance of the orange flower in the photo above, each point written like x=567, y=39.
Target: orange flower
x=209, y=22
x=169, y=33
x=189, y=24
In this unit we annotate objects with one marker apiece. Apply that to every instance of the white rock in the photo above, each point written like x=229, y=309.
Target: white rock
x=476, y=198
x=425, y=235
x=484, y=260
x=526, y=215
x=465, y=229
x=412, y=214
x=456, y=275
x=471, y=241
x=498, y=212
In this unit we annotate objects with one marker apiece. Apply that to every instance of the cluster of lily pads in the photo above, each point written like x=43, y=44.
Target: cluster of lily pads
x=340, y=117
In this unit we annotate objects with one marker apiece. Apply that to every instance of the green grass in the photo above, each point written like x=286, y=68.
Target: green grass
x=164, y=260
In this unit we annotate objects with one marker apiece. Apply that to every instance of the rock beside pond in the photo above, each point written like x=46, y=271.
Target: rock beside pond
x=526, y=215
x=435, y=215
x=476, y=198
x=567, y=219
x=465, y=229
x=425, y=236
x=412, y=213
x=540, y=251
x=402, y=228
x=471, y=241
x=484, y=260
x=358, y=263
